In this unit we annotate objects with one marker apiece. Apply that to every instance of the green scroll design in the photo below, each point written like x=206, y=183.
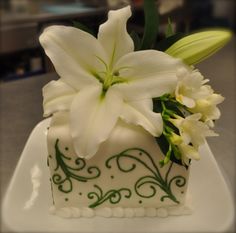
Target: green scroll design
x=153, y=180
x=65, y=182
x=114, y=196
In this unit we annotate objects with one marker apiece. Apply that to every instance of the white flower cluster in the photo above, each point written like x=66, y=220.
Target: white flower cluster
x=200, y=101
x=192, y=92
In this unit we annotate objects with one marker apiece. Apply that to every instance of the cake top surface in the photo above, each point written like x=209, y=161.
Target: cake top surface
x=110, y=78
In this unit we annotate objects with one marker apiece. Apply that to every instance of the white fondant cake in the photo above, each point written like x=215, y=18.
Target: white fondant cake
x=123, y=179
x=111, y=110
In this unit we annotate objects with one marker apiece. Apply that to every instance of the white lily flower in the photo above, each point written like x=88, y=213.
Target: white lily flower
x=190, y=87
x=103, y=79
x=192, y=130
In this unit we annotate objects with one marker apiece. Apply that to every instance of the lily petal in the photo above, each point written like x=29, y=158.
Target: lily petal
x=140, y=113
x=92, y=119
x=113, y=35
x=74, y=54
x=147, y=73
x=57, y=96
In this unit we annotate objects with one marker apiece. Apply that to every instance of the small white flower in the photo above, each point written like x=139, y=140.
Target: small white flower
x=187, y=151
x=192, y=130
x=103, y=79
x=208, y=108
x=192, y=92
x=190, y=87
x=176, y=139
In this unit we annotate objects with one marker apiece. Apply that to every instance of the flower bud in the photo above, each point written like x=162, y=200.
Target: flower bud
x=196, y=47
x=175, y=139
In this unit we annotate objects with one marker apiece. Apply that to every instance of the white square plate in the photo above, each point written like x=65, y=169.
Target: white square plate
x=212, y=202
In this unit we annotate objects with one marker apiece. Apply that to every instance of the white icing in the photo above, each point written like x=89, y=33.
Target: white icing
x=87, y=212
x=36, y=175
x=119, y=212
x=151, y=212
x=129, y=213
x=123, y=137
x=104, y=212
x=162, y=212
x=65, y=212
x=76, y=212
x=139, y=212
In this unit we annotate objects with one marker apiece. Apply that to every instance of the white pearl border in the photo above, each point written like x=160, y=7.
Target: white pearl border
x=120, y=212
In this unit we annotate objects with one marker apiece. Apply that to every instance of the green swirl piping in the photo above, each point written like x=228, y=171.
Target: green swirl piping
x=65, y=184
x=153, y=180
x=113, y=196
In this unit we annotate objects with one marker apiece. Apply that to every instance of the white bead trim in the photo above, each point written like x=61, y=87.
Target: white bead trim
x=119, y=212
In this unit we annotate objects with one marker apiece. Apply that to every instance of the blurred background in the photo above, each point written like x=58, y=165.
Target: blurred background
x=24, y=68
x=23, y=20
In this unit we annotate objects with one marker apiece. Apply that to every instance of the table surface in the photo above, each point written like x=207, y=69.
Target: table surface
x=21, y=110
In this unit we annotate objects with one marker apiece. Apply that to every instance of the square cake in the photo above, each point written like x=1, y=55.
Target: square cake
x=123, y=179
x=127, y=120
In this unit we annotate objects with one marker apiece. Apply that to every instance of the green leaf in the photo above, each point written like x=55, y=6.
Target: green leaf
x=136, y=40
x=169, y=30
x=151, y=24
x=164, y=146
x=167, y=157
x=196, y=47
x=83, y=27
x=163, y=142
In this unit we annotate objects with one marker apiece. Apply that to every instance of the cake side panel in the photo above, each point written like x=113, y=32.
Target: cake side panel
x=125, y=172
